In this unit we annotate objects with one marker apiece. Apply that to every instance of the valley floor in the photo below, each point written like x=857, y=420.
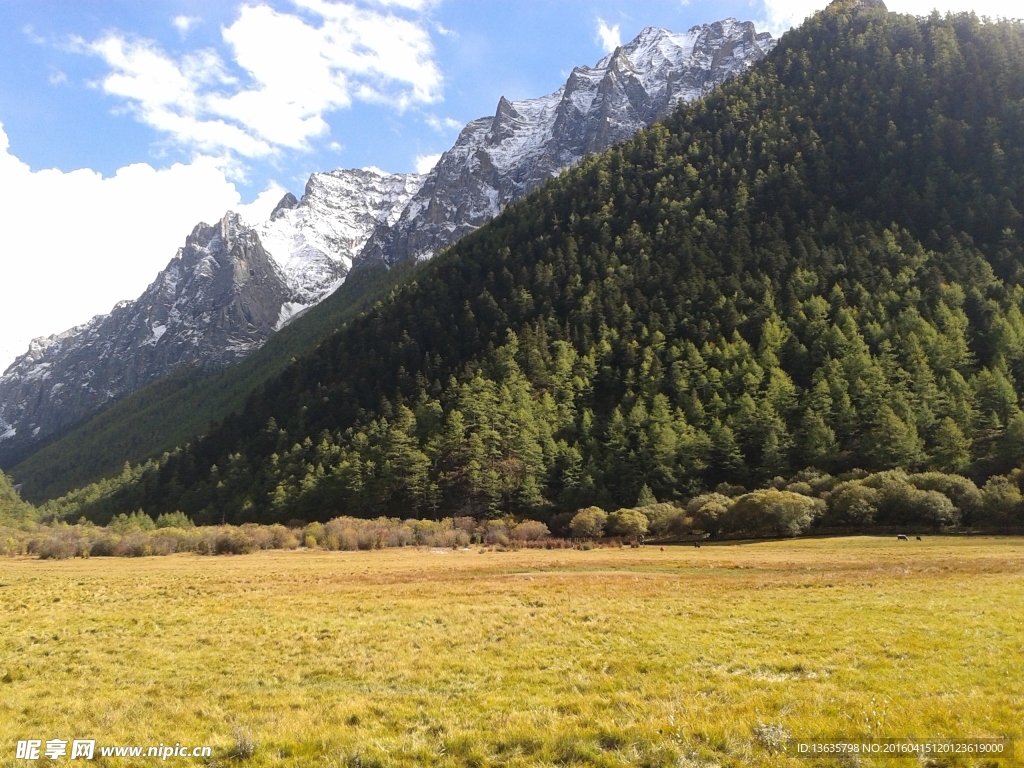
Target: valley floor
x=609, y=657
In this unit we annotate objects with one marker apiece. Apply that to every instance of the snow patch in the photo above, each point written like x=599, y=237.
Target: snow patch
x=289, y=311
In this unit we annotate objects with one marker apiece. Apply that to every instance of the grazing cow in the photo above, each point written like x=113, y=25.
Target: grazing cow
x=902, y=537
x=918, y=538
x=696, y=545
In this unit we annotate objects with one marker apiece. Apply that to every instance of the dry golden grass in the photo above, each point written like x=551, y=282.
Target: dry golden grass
x=608, y=657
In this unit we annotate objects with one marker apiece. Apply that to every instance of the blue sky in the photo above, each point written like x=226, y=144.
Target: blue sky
x=124, y=123
x=59, y=110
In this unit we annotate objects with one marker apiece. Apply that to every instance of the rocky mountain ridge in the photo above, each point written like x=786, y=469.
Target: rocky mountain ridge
x=234, y=284
x=315, y=239
x=215, y=302
x=498, y=160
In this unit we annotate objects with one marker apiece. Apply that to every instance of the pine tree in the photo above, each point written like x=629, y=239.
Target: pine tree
x=646, y=497
x=893, y=442
x=951, y=451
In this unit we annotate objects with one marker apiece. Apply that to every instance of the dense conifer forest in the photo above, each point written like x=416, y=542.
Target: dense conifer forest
x=183, y=404
x=814, y=272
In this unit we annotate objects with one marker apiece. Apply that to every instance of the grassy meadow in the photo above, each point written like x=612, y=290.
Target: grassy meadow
x=608, y=657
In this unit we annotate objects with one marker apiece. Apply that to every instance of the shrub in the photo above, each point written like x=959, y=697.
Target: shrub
x=530, y=530
x=773, y=513
x=1002, y=503
x=135, y=544
x=730, y=490
x=964, y=494
x=455, y=538
x=400, y=536
x=316, y=530
x=496, y=531
x=819, y=482
x=348, y=539
x=105, y=546
x=9, y=546
x=900, y=503
x=665, y=519
x=164, y=544
x=589, y=523
x=233, y=541
x=629, y=523
x=853, y=504
x=59, y=546
x=804, y=489
x=709, y=512
x=935, y=509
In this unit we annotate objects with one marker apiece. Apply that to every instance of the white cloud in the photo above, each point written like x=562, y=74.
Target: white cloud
x=30, y=32
x=57, y=77
x=184, y=23
x=73, y=244
x=609, y=37
x=295, y=72
x=413, y=5
x=442, y=124
x=259, y=210
x=784, y=14
x=426, y=163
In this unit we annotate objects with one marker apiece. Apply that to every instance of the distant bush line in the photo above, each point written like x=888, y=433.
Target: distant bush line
x=809, y=503
x=138, y=535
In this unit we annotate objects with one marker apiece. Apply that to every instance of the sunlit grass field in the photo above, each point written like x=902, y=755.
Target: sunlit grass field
x=608, y=657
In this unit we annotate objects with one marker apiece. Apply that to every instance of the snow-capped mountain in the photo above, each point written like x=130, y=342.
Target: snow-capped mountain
x=234, y=284
x=497, y=160
x=218, y=300
x=315, y=239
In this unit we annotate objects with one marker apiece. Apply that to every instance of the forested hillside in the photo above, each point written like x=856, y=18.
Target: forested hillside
x=184, y=404
x=13, y=510
x=819, y=265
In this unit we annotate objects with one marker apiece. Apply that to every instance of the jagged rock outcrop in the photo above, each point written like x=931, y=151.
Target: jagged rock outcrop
x=497, y=160
x=217, y=301
x=315, y=239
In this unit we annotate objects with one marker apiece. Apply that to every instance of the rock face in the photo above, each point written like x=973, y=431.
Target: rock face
x=315, y=239
x=497, y=160
x=233, y=285
x=217, y=301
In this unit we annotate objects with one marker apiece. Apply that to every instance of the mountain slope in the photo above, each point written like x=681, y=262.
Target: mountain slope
x=186, y=402
x=314, y=240
x=217, y=301
x=497, y=160
x=341, y=218
x=819, y=264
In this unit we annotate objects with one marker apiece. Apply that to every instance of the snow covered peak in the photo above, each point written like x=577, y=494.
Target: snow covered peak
x=216, y=301
x=314, y=240
x=497, y=160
